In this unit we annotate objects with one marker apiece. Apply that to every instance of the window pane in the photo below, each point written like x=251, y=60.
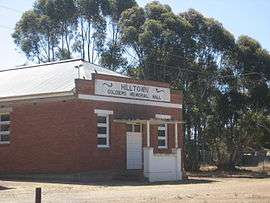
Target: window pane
x=102, y=141
x=161, y=133
x=102, y=130
x=137, y=128
x=129, y=128
x=102, y=119
x=5, y=117
x=161, y=143
x=4, y=128
x=4, y=138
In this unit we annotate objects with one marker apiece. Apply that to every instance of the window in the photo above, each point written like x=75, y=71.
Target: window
x=4, y=128
x=134, y=128
x=162, y=136
x=103, y=130
x=129, y=128
x=103, y=127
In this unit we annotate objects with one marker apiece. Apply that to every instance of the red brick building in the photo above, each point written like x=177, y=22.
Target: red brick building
x=72, y=116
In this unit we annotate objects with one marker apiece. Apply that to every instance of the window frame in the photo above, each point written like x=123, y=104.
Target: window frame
x=133, y=127
x=163, y=128
x=107, y=135
x=5, y=123
x=103, y=113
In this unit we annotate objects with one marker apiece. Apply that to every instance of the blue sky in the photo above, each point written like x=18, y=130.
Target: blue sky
x=248, y=17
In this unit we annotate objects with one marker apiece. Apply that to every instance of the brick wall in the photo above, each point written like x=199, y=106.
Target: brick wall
x=60, y=136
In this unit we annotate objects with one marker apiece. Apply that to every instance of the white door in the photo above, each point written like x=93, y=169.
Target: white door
x=134, y=150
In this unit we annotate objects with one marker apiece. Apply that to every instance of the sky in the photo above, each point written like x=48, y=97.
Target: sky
x=240, y=17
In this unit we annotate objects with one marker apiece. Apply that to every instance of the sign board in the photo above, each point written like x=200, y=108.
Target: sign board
x=131, y=90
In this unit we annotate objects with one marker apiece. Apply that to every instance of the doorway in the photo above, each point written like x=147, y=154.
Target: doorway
x=134, y=146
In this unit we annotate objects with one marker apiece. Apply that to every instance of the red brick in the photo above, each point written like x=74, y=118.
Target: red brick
x=60, y=136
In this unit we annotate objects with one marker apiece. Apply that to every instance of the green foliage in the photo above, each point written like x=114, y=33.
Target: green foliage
x=60, y=29
x=118, y=6
x=31, y=34
x=224, y=81
x=112, y=58
x=157, y=36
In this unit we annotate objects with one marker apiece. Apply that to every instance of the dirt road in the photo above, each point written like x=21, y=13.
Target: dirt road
x=194, y=190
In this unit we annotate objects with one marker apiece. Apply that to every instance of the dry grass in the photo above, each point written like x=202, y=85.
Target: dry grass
x=263, y=168
x=260, y=171
x=208, y=168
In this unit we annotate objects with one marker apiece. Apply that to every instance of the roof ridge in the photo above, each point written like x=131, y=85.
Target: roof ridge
x=42, y=64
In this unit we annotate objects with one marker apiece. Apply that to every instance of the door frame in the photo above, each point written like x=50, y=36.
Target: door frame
x=133, y=133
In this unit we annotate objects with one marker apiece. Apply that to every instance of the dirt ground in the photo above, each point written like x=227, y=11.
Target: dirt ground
x=194, y=190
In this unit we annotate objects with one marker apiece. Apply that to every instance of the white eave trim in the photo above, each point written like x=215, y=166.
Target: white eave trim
x=103, y=112
x=37, y=96
x=129, y=101
x=163, y=116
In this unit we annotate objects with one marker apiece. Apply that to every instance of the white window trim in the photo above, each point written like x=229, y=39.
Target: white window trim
x=107, y=131
x=163, y=138
x=104, y=113
x=165, y=117
x=7, y=111
x=162, y=116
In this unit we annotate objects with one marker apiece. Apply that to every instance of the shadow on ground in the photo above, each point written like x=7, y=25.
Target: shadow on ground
x=84, y=179
x=4, y=188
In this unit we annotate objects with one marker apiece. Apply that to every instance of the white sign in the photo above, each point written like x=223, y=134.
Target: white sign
x=130, y=90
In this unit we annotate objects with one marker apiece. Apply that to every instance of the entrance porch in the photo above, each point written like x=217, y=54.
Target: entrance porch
x=156, y=166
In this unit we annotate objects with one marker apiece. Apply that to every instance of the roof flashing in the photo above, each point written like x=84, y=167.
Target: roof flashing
x=41, y=64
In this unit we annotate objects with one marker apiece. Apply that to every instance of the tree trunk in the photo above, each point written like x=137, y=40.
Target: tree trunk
x=113, y=33
x=83, y=43
x=89, y=41
x=93, y=51
x=48, y=49
x=52, y=48
x=67, y=43
x=62, y=41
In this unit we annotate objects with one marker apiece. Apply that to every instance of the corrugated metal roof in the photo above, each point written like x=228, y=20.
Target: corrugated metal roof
x=47, y=78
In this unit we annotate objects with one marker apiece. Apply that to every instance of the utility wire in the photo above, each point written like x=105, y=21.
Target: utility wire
x=6, y=27
x=195, y=71
x=10, y=9
x=168, y=66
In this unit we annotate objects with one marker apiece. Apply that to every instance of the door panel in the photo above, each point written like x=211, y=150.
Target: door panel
x=134, y=150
